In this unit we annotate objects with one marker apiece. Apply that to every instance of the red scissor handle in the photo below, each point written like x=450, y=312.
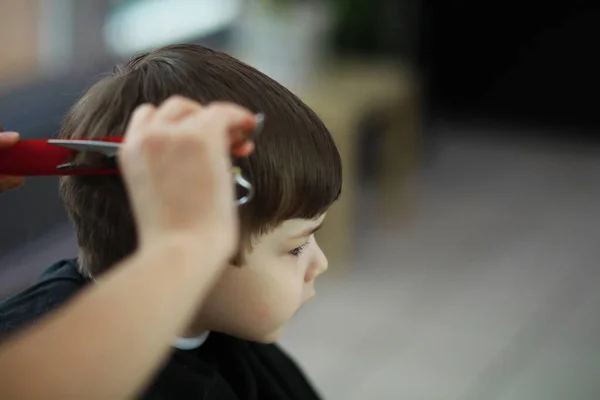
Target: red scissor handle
x=39, y=158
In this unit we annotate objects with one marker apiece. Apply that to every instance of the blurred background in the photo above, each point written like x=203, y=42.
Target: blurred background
x=464, y=252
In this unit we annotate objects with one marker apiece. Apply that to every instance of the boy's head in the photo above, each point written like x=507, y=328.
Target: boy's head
x=296, y=171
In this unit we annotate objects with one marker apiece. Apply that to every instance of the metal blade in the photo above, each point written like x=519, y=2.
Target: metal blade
x=108, y=149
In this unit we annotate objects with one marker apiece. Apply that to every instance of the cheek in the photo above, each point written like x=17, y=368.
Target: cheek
x=253, y=304
x=275, y=298
x=263, y=313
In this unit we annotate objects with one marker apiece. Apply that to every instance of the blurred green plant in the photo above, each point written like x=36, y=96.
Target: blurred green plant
x=355, y=22
x=356, y=25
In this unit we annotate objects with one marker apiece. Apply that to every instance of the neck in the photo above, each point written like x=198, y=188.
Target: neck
x=195, y=328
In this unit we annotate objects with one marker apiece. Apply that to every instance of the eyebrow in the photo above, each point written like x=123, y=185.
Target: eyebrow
x=308, y=232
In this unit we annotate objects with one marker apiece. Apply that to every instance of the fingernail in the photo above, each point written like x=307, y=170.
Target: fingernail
x=244, y=150
x=9, y=135
x=258, y=127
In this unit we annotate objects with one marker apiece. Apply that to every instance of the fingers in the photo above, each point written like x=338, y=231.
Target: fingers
x=10, y=182
x=8, y=139
x=176, y=165
x=140, y=118
x=244, y=150
x=183, y=116
x=228, y=118
x=176, y=108
x=173, y=109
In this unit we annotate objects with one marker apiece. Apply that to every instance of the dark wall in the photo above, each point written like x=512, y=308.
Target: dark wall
x=35, y=111
x=525, y=61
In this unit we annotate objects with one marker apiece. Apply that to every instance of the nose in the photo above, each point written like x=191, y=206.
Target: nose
x=317, y=267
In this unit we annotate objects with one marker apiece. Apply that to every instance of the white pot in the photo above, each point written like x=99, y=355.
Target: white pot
x=288, y=44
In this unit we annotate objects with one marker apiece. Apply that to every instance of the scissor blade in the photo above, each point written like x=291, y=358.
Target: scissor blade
x=109, y=149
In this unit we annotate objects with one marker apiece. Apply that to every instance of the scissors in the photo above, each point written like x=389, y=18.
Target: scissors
x=51, y=157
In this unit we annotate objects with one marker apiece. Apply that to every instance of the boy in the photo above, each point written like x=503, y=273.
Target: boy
x=226, y=353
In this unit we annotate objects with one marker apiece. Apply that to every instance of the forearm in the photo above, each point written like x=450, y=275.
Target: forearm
x=109, y=341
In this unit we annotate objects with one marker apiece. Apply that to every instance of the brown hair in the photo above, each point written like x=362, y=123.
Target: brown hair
x=296, y=168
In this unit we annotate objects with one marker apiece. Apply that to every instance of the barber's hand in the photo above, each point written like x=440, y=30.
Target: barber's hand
x=8, y=139
x=175, y=161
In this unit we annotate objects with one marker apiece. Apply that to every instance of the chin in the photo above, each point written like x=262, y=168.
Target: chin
x=272, y=338
x=263, y=338
x=268, y=338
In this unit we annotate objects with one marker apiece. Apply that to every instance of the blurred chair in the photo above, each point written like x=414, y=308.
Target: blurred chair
x=343, y=95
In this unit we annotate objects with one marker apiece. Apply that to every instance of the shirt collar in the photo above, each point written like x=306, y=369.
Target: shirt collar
x=182, y=343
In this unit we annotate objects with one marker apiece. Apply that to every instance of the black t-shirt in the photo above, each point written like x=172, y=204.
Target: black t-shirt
x=223, y=368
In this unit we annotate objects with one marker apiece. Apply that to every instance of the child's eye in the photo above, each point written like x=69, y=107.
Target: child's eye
x=298, y=250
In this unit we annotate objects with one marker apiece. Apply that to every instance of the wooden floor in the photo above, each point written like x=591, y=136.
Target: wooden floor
x=489, y=291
